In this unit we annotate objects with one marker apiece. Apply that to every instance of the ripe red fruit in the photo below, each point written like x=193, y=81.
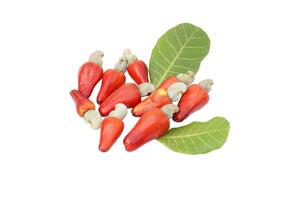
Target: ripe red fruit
x=82, y=103
x=111, y=129
x=88, y=76
x=112, y=80
x=152, y=124
x=193, y=99
x=138, y=71
x=127, y=94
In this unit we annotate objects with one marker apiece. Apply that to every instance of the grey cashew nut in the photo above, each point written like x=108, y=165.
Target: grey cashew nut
x=146, y=88
x=129, y=57
x=186, y=78
x=169, y=109
x=206, y=84
x=97, y=57
x=93, y=118
x=175, y=90
x=120, y=111
x=121, y=65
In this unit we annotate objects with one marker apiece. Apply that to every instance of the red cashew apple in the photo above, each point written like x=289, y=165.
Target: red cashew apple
x=159, y=98
x=137, y=69
x=82, y=103
x=186, y=78
x=193, y=99
x=112, y=127
x=152, y=124
x=112, y=80
x=90, y=73
x=128, y=94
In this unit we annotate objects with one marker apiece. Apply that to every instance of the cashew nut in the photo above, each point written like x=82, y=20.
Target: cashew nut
x=146, y=88
x=129, y=57
x=186, y=78
x=97, y=57
x=206, y=84
x=175, y=90
x=119, y=112
x=121, y=65
x=169, y=109
x=93, y=118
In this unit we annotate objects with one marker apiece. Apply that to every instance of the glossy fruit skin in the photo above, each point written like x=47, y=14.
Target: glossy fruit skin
x=169, y=81
x=112, y=80
x=88, y=76
x=194, y=99
x=138, y=71
x=82, y=103
x=157, y=99
x=152, y=124
x=111, y=129
x=128, y=94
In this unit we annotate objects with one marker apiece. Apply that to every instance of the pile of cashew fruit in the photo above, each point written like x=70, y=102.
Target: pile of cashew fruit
x=175, y=98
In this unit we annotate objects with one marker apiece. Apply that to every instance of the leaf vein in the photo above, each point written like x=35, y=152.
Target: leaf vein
x=196, y=134
x=168, y=68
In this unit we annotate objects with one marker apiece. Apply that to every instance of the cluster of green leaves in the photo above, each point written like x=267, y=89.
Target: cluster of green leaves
x=180, y=49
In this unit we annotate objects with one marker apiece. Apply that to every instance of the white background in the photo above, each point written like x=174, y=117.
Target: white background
x=48, y=152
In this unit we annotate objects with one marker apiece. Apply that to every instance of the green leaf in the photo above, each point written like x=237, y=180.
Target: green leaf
x=197, y=137
x=180, y=49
